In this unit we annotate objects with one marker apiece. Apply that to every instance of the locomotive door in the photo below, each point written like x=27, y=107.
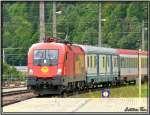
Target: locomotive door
x=69, y=64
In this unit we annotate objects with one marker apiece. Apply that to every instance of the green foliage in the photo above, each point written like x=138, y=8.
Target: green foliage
x=77, y=23
x=10, y=73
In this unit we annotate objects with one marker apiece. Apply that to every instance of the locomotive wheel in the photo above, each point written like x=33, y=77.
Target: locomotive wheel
x=64, y=94
x=38, y=94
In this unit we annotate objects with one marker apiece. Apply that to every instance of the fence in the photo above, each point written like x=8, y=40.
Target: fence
x=9, y=81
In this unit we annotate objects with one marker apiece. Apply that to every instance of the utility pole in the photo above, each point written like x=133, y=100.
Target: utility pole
x=143, y=32
x=140, y=75
x=100, y=31
x=3, y=55
x=54, y=19
x=42, y=20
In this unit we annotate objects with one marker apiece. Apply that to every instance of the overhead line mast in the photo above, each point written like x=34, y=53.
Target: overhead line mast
x=42, y=22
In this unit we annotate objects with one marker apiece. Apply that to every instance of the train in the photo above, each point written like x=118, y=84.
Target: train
x=56, y=66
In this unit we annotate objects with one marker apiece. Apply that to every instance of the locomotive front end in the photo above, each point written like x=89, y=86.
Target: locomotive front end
x=45, y=68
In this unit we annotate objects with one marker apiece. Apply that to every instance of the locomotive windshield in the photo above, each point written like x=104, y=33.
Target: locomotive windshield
x=45, y=57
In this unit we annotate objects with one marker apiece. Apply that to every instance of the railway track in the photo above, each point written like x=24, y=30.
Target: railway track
x=16, y=96
x=15, y=92
x=21, y=95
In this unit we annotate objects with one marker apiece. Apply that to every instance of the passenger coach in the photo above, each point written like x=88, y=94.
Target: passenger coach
x=102, y=65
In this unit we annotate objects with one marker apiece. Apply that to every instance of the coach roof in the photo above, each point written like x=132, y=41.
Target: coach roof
x=98, y=50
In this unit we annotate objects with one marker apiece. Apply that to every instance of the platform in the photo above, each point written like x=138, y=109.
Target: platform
x=79, y=105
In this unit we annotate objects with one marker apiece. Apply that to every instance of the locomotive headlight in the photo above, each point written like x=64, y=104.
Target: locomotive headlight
x=59, y=71
x=30, y=72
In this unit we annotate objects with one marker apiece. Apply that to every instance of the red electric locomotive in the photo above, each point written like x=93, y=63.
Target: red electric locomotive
x=55, y=67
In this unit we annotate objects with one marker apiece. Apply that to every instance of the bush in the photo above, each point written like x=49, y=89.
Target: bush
x=10, y=73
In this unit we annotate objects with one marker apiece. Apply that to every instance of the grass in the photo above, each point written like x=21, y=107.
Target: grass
x=119, y=92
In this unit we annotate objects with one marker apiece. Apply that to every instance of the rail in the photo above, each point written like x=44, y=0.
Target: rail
x=16, y=96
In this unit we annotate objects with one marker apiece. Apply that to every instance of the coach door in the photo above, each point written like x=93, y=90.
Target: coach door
x=102, y=65
x=108, y=71
x=115, y=65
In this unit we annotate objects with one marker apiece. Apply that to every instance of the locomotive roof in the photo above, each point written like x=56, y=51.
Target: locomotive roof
x=93, y=49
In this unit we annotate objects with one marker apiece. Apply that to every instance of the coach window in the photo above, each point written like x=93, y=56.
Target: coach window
x=103, y=61
x=126, y=62
x=122, y=62
x=108, y=60
x=134, y=62
x=88, y=61
x=94, y=61
x=91, y=61
x=131, y=61
x=142, y=62
x=145, y=62
x=115, y=61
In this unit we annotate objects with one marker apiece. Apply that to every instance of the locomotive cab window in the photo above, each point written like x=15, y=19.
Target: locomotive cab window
x=45, y=57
